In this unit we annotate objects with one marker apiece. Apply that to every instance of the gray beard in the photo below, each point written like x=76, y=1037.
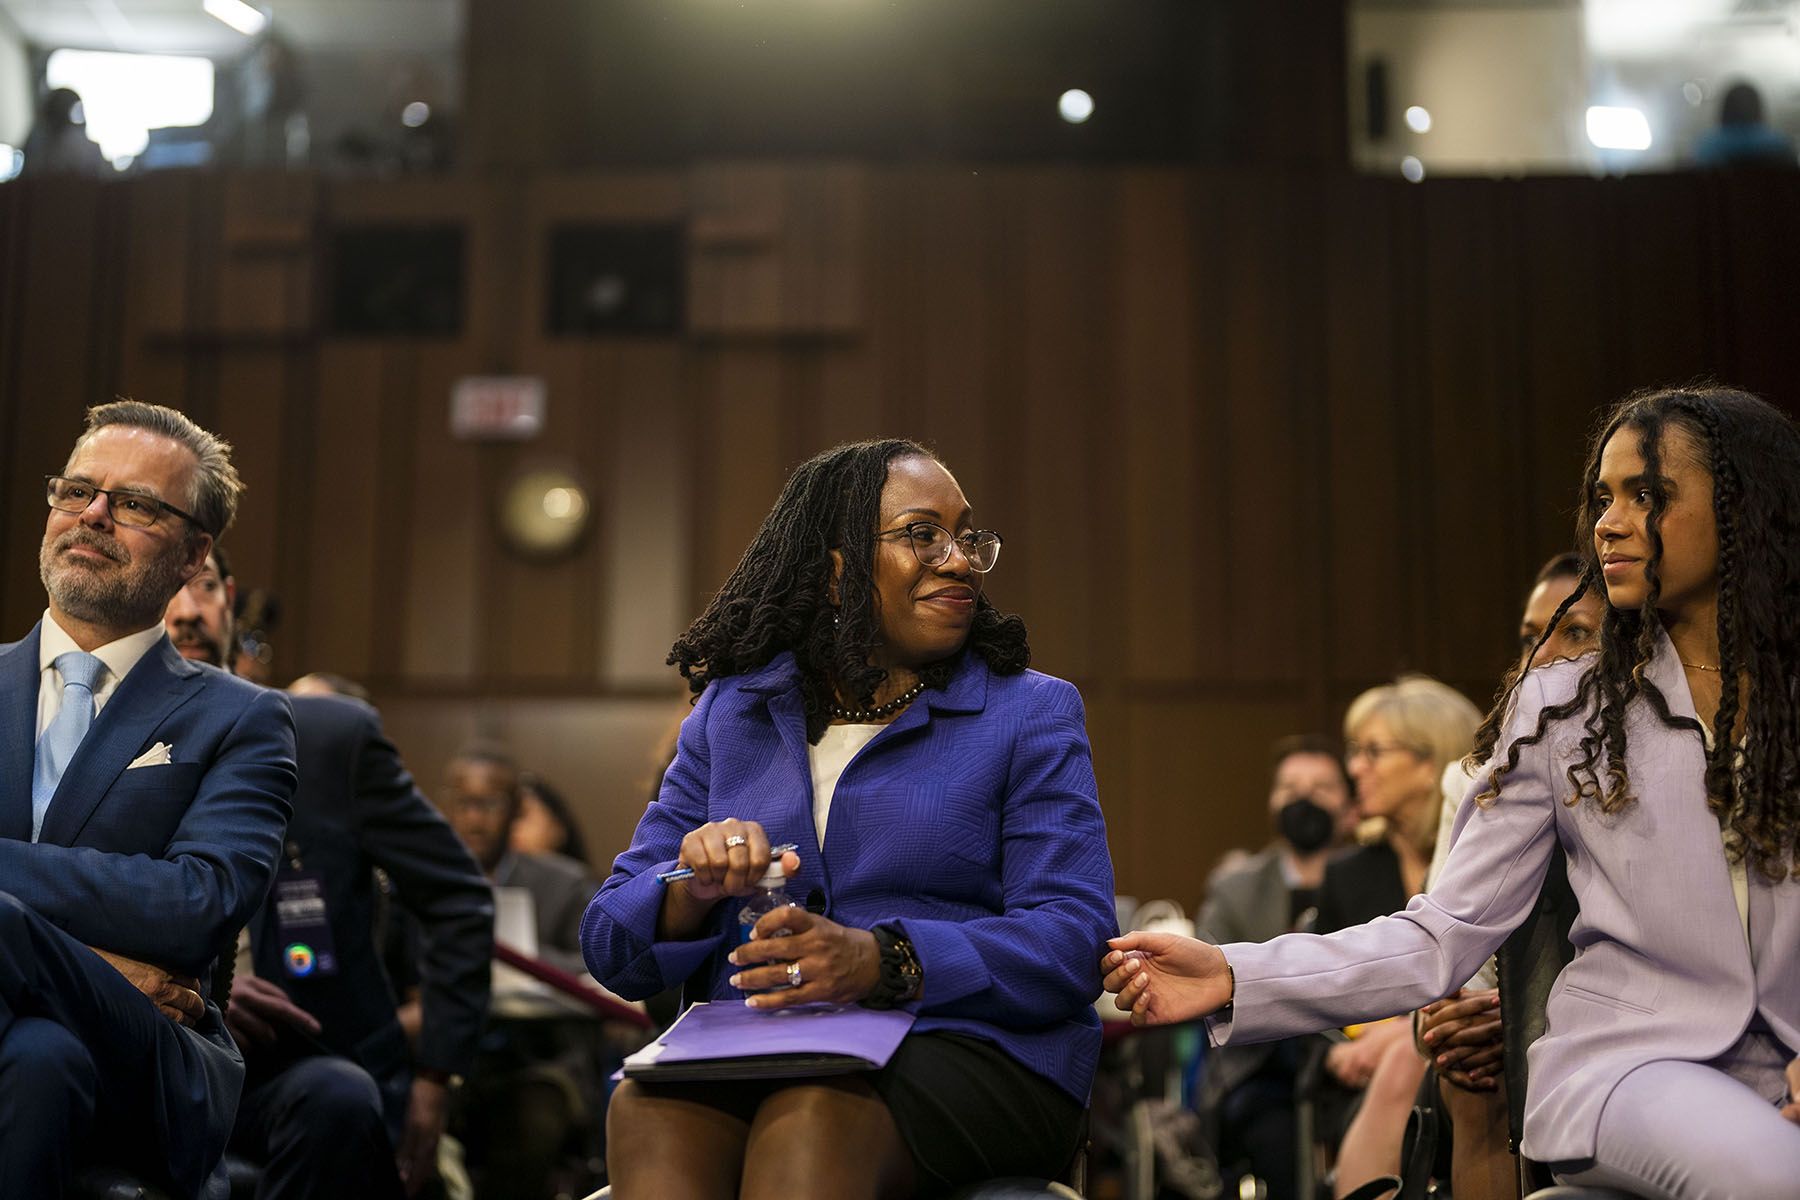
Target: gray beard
x=132, y=599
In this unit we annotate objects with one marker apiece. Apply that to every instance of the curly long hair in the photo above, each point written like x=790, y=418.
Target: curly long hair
x=779, y=595
x=1752, y=452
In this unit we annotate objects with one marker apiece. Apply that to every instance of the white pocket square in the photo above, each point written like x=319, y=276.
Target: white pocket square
x=155, y=756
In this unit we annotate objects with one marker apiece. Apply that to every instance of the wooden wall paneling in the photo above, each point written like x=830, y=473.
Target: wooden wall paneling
x=645, y=515
x=824, y=247
x=1200, y=789
x=266, y=235
x=540, y=616
x=1472, y=438
x=55, y=372
x=1262, y=264
x=159, y=265
x=1756, y=259
x=442, y=522
x=250, y=413
x=844, y=394
x=1067, y=567
x=1204, y=457
x=355, y=528
x=1367, y=275
x=735, y=248
x=610, y=197
x=1566, y=371
x=1657, y=263
x=1152, y=335
x=746, y=451
x=943, y=272
x=18, y=483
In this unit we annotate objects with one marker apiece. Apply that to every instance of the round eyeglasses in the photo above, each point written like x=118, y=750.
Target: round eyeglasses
x=931, y=544
x=128, y=508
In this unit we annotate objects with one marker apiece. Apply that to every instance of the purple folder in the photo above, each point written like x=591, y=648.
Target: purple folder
x=730, y=1041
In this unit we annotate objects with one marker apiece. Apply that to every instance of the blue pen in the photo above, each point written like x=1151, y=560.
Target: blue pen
x=775, y=852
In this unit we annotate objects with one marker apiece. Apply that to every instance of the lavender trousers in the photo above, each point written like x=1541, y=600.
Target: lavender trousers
x=1699, y=1131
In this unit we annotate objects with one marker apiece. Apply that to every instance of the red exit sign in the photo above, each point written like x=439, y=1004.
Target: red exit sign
x=497, y=407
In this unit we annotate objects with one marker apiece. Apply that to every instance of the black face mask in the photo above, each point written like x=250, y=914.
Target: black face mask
x=1306, y=826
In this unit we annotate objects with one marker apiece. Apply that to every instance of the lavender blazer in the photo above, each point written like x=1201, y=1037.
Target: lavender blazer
x=971, y=821
x=1662, y=969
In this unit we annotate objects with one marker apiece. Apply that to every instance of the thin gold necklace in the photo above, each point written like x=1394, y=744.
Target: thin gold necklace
x=1700, y=666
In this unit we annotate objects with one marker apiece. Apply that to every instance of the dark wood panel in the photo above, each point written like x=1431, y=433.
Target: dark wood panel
x=1064, y=587
x=1261, y=425
x=353, y=553
x=1370, y=385
x=1153, y=372
x=1471, y=436
x=1257, y=440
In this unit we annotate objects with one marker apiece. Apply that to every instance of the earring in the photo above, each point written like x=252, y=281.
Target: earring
x=835, y=623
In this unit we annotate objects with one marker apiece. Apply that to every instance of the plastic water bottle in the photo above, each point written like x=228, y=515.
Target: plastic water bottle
x=770, y=894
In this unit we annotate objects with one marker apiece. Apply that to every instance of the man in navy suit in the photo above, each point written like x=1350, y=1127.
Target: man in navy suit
x=335, y=1105
x=142, y=805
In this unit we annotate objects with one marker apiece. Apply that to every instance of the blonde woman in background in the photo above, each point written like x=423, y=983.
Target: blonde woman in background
x=1398, y=740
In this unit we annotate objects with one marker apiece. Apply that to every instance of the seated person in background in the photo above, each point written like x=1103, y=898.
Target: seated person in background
x=1249, y=1090
x=1398, y=739
x=333, y=1102
x=859, y=696
x=1742, y=137
x=545, y=824
x=538, y=1087
x=142, y=804
x=1460, y=1034
x=1664, y=764
x=324, y=683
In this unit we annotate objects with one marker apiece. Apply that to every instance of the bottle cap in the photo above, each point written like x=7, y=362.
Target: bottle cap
x=774, y=876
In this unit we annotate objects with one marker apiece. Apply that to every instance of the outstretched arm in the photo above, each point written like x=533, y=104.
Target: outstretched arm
x=1165, y=978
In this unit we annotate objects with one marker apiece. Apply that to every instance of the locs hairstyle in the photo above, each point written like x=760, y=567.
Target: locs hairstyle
x=1752, y=452
x=778, y=596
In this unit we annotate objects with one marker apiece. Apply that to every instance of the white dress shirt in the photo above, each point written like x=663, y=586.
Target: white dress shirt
x=119, y=656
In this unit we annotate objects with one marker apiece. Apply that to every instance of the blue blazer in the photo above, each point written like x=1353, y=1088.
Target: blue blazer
x=161, y=863
x=356, y=809
x=971, y=821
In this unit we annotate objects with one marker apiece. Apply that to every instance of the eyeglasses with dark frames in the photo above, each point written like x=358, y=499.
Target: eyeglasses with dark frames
x=128, y=508
x=931, y=544
x=1377, y=749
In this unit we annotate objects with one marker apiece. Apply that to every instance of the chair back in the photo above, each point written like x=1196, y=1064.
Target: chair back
x=1528, y=963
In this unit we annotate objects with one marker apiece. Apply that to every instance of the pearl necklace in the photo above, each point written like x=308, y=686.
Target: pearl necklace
x=863, y=716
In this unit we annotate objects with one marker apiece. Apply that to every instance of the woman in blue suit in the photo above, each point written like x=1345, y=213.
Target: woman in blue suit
x=860, y=697
x=1668, y=767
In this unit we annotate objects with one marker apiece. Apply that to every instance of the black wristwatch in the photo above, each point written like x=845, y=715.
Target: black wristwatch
x=901, y=976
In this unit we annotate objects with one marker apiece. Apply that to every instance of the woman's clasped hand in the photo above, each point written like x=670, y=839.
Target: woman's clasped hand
x=810, y=959
x=1164, y=978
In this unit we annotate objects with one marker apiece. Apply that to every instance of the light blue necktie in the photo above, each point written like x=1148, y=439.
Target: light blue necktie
x=80, y=672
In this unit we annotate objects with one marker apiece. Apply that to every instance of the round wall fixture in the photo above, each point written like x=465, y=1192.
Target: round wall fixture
x=543, y=512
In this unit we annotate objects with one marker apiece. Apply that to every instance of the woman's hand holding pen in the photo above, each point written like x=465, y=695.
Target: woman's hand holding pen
x=808, y=959
x=1164, y=978
x=727, y=858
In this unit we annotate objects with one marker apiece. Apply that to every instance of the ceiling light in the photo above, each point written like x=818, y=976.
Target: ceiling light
x=240, y=16
x=1418, y=120
x=1618, y=128
x=1412, y=169
x=1075, y=106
